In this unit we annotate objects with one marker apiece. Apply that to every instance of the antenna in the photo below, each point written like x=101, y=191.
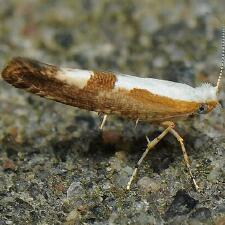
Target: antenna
x=222, y=59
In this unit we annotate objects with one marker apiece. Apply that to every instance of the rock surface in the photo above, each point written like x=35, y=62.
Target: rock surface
x=56, y=167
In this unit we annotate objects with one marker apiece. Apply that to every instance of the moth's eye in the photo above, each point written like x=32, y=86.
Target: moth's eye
x=203, y=108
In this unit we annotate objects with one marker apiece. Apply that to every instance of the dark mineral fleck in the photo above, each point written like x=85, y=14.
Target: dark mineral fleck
x=182, y=204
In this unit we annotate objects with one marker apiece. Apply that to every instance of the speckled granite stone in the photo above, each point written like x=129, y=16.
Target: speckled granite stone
x=56, y=167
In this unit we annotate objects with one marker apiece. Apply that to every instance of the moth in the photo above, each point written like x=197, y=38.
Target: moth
x=140, y=99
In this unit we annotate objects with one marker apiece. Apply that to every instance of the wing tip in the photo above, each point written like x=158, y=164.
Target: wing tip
x=19, y=68
x=15, y=68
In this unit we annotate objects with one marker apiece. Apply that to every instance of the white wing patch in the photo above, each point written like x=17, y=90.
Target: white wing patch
x=169, y=89
x=75, y=77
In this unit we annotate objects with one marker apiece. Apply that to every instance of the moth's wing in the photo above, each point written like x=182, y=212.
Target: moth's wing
x=91, y=90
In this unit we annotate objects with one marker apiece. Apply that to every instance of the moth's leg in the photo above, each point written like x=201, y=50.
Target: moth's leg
x=103, y=122
x=186, y=159
x=151, y=144
x=136, y=123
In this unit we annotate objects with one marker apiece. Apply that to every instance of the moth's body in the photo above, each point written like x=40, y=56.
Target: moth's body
x=145, y=99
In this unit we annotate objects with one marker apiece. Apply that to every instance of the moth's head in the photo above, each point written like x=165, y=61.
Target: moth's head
x=206, y=107
x=206, y=99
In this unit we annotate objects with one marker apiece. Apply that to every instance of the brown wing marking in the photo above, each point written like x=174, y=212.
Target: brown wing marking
x=101, y=81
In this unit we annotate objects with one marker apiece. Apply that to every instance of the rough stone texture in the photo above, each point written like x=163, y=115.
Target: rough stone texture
x=56, y=167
